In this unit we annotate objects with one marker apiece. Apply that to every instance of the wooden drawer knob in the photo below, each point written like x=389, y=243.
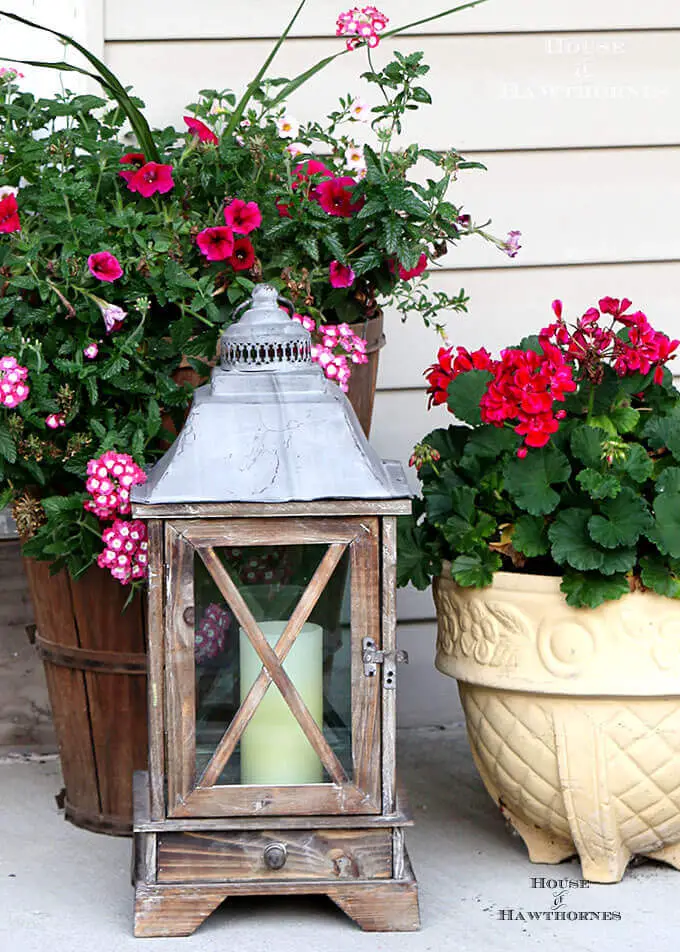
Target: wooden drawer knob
x=275, y=856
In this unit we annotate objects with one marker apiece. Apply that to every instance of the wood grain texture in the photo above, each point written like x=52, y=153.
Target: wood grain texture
x=312, y=854
x=156, y=661
x=240, y=532
x=132, y=19
x=265, y=801
x=518, y=91
x=376, y=906
x=365, y=609
x=389, y=644
x=300, y=614
x=180, y=704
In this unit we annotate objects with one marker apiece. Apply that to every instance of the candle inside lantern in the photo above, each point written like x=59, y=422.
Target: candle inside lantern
x=274, y=748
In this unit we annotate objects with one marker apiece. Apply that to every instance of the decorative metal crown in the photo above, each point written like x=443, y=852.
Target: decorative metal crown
x=264, y=338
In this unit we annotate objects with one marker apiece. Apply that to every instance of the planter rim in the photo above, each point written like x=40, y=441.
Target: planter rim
x=517, y=581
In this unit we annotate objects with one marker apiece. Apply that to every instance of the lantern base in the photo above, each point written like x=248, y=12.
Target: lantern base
x=375, y=905
x=182, y=876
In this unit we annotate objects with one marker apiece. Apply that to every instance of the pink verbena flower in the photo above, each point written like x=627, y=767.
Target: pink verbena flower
x=242, y=217
x=211, y=634
x=110, y=479
x=151, y=178
x=104, y=266
x=340, y=276
x=55, y=420
x=200, y=130
x=361, y=25
x=126, y=553
x=335, y=349
x=13, y=388
x=91, y=350
x=217, y=244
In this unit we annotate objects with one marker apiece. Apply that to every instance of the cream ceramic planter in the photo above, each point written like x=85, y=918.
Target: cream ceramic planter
x=573, y=716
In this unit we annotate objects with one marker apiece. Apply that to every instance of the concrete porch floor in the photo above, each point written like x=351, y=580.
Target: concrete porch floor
x=63, y=889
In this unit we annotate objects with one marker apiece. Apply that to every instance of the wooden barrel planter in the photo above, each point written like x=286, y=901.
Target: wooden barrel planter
x=364, y=377
x=95, y=666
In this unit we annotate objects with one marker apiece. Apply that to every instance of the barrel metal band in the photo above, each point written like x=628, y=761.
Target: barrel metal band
x=89, y=659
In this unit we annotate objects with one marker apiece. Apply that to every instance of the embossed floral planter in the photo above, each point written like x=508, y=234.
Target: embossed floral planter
x=573, y=716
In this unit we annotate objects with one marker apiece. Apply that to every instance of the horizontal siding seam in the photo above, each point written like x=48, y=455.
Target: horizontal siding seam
x=473, y=34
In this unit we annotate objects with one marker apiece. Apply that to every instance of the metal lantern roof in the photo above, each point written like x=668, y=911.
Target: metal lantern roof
x=269, y=427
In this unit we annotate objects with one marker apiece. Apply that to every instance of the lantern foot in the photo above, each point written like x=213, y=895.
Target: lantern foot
x=172, y=910
x=389, y=906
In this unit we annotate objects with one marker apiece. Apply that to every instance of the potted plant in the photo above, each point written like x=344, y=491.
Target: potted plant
x=550, y=523
x=119, y=267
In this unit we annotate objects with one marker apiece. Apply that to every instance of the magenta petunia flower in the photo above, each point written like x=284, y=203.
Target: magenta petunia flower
x=242, y=217
x=243, y=255
x=335, y=196
x=216, y=244
x=104, y=266
x=340, y=275
x=9, y=215
x=136, y=159
x=406, y=274
x=151, y=178
x=199, y=129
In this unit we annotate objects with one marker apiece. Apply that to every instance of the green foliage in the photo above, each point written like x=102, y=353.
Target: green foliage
x=63, y=154
x=598, y=504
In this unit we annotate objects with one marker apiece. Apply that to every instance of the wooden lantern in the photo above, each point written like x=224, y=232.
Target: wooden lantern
x=272, y=649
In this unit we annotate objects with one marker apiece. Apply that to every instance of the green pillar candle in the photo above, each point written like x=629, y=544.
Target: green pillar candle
x=274, y=748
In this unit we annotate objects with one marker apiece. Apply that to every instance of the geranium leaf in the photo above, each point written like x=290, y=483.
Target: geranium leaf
x=664, y=431
x=530, y=536
x=656, y=574
x=529, y=481
x=599, y=485
x=465, y=392
x=669, y=480
x=588, y=590
x=475, y=571
x=622, y=520
x=625, y=419
x=637, y=465
x=438, y=496
x=571, y=543
x=586, y=444
x=665, y=532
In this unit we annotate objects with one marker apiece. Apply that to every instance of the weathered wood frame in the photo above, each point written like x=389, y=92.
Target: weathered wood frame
x=187, y=795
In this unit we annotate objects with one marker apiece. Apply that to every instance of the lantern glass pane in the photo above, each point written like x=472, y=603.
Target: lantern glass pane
x=273, y=749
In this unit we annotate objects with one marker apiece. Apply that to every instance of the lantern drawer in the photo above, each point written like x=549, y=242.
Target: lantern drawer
x=266, y=855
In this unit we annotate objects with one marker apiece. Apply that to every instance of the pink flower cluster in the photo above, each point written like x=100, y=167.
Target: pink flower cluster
x=361, y=25
x=335, y=348
x=13, y=386
x=637, y=350
x=218, y=243
x=111, y=477
x=126, y=552
x=211, y=634
x=524, y=389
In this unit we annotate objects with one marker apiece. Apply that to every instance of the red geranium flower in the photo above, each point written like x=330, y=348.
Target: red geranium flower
x=335, y=196
x=243, y=256
x=104, y=266
x=406, y=275
x=216, y=244
x=200, y=129
x=340, y=275
x=136, y=159
x=243, y=217
x=9, y=215
x=151, y=178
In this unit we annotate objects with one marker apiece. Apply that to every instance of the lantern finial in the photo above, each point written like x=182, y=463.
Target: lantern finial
x=264, y=338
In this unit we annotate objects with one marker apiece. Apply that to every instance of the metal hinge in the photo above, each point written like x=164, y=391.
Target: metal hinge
x=372, y=657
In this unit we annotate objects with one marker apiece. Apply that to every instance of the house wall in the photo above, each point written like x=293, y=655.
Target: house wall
x=572, y=107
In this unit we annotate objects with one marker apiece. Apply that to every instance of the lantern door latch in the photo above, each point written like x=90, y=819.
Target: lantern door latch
x=372, y=657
